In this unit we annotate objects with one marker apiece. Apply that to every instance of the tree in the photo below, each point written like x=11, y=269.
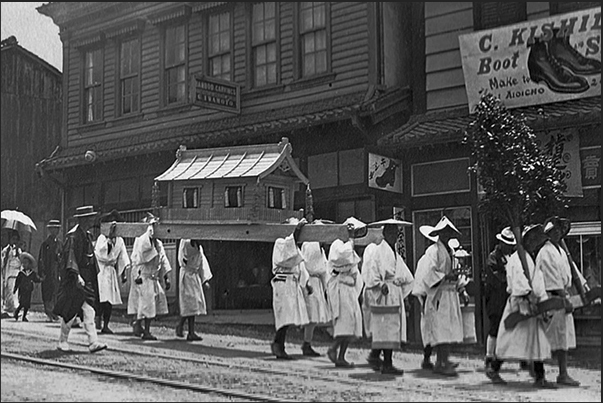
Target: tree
x=522, y=185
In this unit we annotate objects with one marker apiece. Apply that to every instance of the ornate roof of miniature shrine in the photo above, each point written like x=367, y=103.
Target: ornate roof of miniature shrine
x=255, y=161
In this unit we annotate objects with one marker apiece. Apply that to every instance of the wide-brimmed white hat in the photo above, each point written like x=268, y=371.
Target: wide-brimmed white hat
x=342, y=254
x=285, y=253
x=443, y=223
x=425, y=230
x=507, y=236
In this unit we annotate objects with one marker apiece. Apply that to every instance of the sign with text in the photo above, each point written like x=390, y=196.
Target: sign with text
x=384, y=173
x=535, y=62
x=564, y=147
x=216, y=94
x=591, y=167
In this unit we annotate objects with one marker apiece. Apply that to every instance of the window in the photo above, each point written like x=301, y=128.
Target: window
x=84, y=195
x=190, y=198
x=492, y=14
x=440, y=177
x=220, y=58
x=313, y=36
x=233, y=196
x=93, y=81
x=129, y=62
x=121, y=191
x=277, y=198
x=263, y=42
x=175, y=64
x=584, y=244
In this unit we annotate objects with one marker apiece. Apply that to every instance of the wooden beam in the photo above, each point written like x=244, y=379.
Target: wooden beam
x=265, y=232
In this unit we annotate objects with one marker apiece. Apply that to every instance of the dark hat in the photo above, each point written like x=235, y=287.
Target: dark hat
x=563, y=224
x=111, y=216
x=85, y=211
x=150, y=219
x=54, y=224
x=532, y=230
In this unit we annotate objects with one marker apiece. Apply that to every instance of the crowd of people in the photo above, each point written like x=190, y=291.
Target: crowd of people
x=354, y=294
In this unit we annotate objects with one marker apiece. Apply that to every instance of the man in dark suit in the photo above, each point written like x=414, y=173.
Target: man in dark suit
x=48, y=268
x=78, y=289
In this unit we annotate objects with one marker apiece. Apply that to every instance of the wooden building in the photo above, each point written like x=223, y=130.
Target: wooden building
x=31, y=118
x=142, y=79
x=434, y=159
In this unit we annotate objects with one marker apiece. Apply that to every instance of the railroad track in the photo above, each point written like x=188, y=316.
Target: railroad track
x=292, y=375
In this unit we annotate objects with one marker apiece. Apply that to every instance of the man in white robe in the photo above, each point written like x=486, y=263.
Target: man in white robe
x=149, y=264
x=527, y=341
x=554, y=264
x=288, y=302
x=318, y=310
x=443, y=316
x=195, y=274
x=113, y=260
x=388, y=281
x=343, y=289
x=11, y=266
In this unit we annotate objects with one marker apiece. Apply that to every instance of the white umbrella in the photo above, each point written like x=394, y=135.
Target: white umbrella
x=13, y=219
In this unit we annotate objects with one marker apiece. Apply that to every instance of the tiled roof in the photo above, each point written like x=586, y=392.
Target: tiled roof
x=231, y=162
x=213, y=132
x=449, y=126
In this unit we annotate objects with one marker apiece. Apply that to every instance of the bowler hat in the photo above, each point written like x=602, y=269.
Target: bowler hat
x=85, y=211
x=507, y=236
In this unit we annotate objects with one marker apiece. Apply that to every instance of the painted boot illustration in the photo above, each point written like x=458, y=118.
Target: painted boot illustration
x=562, y=50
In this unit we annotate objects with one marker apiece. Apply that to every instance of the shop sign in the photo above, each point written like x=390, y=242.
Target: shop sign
x=535, y=62
x=564, y=147
x=384, y=173
x=591, y=167
x=216, y=94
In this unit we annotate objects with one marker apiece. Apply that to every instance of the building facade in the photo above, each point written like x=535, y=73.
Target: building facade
x=30, y=124
x=142, y=79
x=463, y=48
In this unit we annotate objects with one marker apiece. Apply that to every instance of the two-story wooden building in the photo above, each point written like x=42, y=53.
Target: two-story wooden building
x=30, y=122
x=462, y=48
x=142, y=79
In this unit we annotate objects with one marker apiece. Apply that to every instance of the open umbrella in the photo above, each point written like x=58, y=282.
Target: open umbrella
x=13, y=219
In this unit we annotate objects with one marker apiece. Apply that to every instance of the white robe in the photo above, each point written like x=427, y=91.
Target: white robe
x=557, y=275
x=147, y=300
x=194, y=271
x=527, y=340
x=443, y=316
x=288, y=302
x=382, y=265
x=319, y=311
x=419, y=288
x=111, y=266
x=343, y=289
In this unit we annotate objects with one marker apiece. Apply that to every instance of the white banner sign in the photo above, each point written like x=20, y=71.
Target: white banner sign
x=384, y=173
x=535, y=62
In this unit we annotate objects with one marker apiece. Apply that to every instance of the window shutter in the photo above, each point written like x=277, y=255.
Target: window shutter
x=568, y=7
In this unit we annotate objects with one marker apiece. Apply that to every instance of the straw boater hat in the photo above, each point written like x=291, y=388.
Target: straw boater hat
x=443, y=223
x=54, y=224
x=507, y=236
x=23, y=256
x=85, y=211
x=285, y=253
x=342, y=254
x=425, y=230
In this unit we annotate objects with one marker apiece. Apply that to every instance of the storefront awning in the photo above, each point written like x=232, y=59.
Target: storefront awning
x=449, y=126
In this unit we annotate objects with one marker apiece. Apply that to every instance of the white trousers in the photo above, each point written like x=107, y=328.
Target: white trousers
x=88, y=325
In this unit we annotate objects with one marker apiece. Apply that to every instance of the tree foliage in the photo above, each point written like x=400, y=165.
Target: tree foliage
x=522, y=185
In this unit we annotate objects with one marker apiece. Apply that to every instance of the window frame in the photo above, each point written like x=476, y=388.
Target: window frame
x=230, y=52
x=95, y=86
x=197, y=198
x=252, y=46
x=135, y=76
x=165, y=67
x=299, y=36
x=227, y=204
x=284, y=199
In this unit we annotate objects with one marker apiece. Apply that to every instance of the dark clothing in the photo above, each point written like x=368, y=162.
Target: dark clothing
x=49, y=258
x=78, y=260
x=495, y=289
x=24, y=284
